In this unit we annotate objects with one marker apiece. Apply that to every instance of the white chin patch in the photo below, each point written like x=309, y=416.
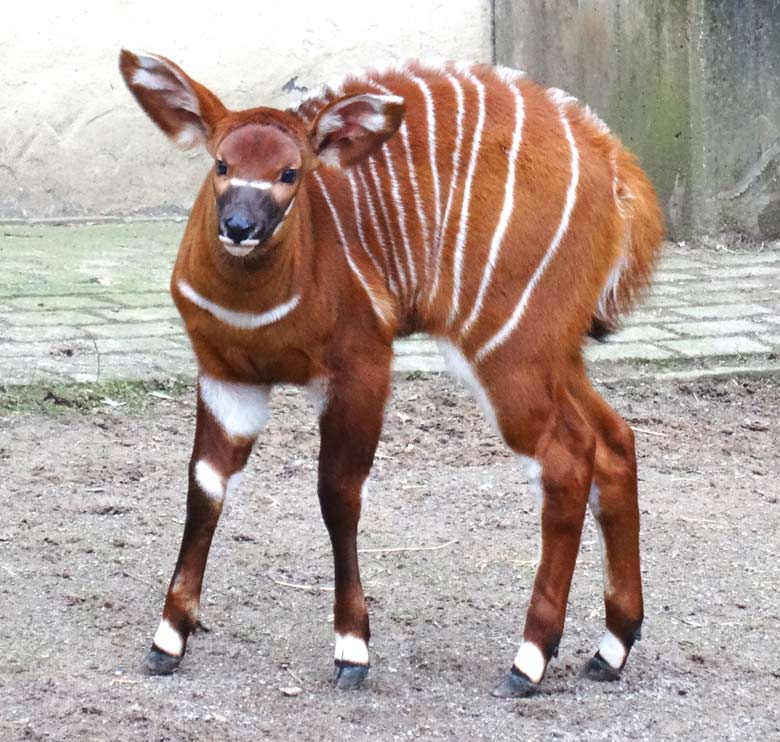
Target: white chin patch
x=239, y=251
x=351, y=648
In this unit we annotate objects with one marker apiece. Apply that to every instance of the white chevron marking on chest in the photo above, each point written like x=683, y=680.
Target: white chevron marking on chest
x=239, y=320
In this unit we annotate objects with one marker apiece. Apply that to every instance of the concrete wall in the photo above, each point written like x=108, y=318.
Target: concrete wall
x=692, y=86
x=73, y=143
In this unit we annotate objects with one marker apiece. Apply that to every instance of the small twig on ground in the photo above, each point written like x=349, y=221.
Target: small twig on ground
x=139, y=579
x=97, y=356
x=293, y=675
x=162, y=395
x=407, y=548
x=298, y=586
x=699, y=520
x=651, y=432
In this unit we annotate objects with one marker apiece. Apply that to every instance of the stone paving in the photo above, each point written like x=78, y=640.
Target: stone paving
x=90, y=303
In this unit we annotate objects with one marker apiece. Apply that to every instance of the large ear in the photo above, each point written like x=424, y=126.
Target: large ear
x=183, y=108
x=351, y=128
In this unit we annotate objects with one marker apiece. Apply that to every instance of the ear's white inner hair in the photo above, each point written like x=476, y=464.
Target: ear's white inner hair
x=241, y=409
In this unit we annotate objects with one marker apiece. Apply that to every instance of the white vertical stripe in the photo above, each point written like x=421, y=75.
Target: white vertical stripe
x=378, y=231
x=442, y=232
x=506, y=213
x=460, y=243
x=404, y=131
x=430, y=112
x=571, y=197
x=386, y=215
x=353, y=266
x=359, y=224
x=399, y=208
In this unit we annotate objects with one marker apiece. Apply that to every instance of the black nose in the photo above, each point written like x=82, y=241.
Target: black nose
x=237, y=227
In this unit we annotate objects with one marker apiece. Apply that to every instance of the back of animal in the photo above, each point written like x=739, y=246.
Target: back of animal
x=500, y=207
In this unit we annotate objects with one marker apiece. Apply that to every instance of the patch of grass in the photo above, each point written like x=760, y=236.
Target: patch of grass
x=56, y=399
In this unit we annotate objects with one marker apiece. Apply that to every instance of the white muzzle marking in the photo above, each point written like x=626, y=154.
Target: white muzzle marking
x=260, y=185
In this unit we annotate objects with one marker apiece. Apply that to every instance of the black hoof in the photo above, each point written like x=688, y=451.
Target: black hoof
x=348, y=676
x=160, y=663
x=515, y=685
x=598, y=669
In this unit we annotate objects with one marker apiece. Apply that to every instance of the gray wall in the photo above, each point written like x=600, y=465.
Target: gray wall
x=691, y=86
x=73, y=142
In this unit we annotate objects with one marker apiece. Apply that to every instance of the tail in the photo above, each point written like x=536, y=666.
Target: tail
x=644, y=233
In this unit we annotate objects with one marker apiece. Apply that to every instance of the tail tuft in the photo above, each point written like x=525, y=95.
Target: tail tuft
x=630, y=277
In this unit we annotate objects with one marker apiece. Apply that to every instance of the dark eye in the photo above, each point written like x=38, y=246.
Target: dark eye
x=289, y=175
x=221, y=167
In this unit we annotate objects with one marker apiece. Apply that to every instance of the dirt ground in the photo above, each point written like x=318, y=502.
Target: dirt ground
x=93, y=501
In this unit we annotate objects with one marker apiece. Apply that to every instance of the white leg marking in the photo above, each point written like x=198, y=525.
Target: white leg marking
x=359, y=225
x=442, y=233
x=533, y=471
x=506, y=213
x=457, y=364
x=595, y=508
x=239, y=320
x=241, y=409
x=460, y=242
x=210, y=480
x=375, y=303
x=386, y=216
x=395, y=189
x=571, y=197
x=380, y=239
x=530, y=660
x=233, y=483
x=317, y=390
x=168, y=639
x=351, y=648
x=612, y=650
x=364, y=494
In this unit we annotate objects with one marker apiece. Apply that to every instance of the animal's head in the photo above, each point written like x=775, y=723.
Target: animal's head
x=261, y=155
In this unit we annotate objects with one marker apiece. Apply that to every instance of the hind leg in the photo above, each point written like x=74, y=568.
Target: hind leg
x=538, y=419
x=614, y=505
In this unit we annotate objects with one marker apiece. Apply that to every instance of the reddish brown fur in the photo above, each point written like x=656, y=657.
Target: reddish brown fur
x=356, y=297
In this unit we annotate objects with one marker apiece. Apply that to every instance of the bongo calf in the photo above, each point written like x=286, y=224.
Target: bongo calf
x=463, y=201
